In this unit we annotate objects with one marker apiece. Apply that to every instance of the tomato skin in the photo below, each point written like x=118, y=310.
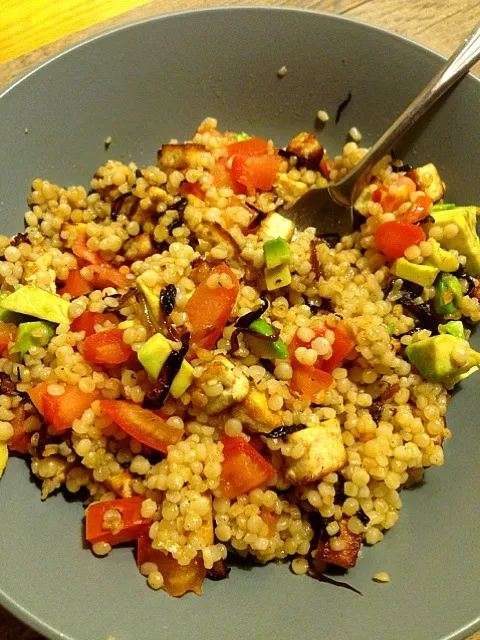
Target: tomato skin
x=61, y=411
x=419, y=211
x=222, y=178
x=256, y=172
x=393, y=237
x=76, y=285
x=21, y=439
x=80, y=249
x=36, y=394
x=192, y=188
x=134, y=525
x=310, y=382
x=142, y=424
x=107, y=276
x=243, y=468
x=342, y=347
x=87, y=321
x=208, y=309
x=106, y=347
x=8, y=333
x=178, y=579
x=251, y=147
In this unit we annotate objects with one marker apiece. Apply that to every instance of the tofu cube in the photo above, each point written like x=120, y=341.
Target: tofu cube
x=235, y=384
x=255, y=413
x=277, y=226
x=324, y=452
x=346, y=558
x=429, y=181
x=181, y=156
x=121, y=483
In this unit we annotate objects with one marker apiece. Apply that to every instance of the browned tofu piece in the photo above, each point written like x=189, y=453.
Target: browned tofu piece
x=180, y=156
x=346, y=558
x=255, y=414
x=429, y=181
x=121, y=483
x=307, y=149
x=139, y=247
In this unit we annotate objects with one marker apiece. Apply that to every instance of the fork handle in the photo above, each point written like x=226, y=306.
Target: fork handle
x=466, y=55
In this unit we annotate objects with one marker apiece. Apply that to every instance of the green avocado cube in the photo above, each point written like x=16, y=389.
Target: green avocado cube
x=242, y=136
x=433, y=357
x=441, y=258
x=10, y=316
x=32, y=334
x=421, y=274
x=261, y=348
x=153, y=355
x=466, y=241
x=276, y=252
x=454, y=328
x=151, y=298
x=38, y=303
x=278, y=277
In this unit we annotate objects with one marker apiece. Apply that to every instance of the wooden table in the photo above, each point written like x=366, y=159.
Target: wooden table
x=439, y=24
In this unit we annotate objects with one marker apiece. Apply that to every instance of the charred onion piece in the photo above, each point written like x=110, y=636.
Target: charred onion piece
x=245, y=321
x=172, y=367
x=281, y=432
x=219, y=571
x=234, y=337
x=342, y=106
x=146, y=316
x=167, y=299
x=337, y=583
x=123, y=201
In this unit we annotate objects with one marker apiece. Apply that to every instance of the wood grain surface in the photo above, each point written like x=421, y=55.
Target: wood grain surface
x=439, y=24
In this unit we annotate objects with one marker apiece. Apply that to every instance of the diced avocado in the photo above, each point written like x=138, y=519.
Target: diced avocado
x=271, y=350
x=277, y=226
x=390, y=328
x=453, y=380
x=448, y=293
x=10, y=316
x=444, y=206
x=152, y=299
x=3, y=457
x=154, y=353
x=38, y=303
x=182, y=380
x=242, y=136
x=441, y=258
x=433, y=357
x=466, y=242
x=278, y=277
x=276, y=252
x=33, y=334
x=454, y=328
x=421, y=274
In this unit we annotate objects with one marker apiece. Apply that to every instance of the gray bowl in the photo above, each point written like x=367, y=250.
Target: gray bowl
x=143, y=84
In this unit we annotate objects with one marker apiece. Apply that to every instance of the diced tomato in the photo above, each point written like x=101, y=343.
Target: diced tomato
x=222, y=178
x=256, y=172
x=8, y=333
x=319, y=331
x=106, y=347
x=243, y=468
x=107, y=276
x=397, y=194
x=80, y=249
x=419, y=210
x=325, y=167
x=178, y=579
x=392, y=238
x=87, y=321
x=142, y=424
x=37, y=393
x=208, y=309
x=342, y=346
x=251, y=147
x=270, y=518
x=377, y=195
x=61, y=411
x=310, y=382
x=192, y=188
x=21, y=439
x=134, y=525
x=76, y=285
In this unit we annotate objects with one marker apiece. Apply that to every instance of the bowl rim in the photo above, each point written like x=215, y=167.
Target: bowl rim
x=6, y=601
